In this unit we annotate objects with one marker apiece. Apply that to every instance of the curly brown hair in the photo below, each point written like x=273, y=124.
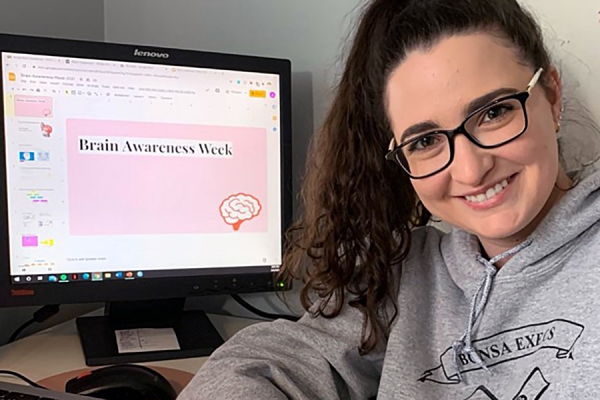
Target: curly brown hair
x=359, y=210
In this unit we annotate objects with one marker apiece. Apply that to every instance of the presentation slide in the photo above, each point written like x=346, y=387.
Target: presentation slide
x=172, y=178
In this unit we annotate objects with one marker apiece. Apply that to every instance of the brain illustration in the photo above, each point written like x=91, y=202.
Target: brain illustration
x=47, y=129
x=239, y=208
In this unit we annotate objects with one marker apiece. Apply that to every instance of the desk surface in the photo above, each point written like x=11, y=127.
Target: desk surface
x=57, y=350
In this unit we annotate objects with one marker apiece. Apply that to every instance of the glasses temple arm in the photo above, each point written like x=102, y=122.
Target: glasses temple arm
x=534, y=80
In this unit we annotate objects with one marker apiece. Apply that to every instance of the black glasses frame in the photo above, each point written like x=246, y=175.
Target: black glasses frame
x=396, y=151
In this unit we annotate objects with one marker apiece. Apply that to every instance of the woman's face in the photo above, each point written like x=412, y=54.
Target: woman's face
x=437, y=85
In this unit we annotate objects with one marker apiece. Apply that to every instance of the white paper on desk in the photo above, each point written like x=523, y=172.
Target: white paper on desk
x=146, y=339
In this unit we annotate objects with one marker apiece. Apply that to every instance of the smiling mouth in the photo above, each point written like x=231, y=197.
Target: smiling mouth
x=490, y=193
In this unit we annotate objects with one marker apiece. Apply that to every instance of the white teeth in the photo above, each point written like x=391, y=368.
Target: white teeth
x=491, y=192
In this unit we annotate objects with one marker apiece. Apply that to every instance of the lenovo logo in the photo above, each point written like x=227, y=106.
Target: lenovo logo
x=140, y=53
x=22, y=292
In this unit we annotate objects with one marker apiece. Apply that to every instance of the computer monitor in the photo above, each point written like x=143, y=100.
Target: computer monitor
x=139, y=176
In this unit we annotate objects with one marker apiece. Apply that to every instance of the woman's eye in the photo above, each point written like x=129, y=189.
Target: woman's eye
x=426, y=142
x=496, y=112
x=423, y=143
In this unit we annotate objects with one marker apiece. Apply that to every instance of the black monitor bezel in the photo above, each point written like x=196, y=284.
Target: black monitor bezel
x=156, y=288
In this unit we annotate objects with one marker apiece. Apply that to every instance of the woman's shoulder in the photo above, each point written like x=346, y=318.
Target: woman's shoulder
x=426, y=236
x=424, y=261
x=425, y=243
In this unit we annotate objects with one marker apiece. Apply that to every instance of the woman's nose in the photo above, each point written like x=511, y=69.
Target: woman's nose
x=471, y=164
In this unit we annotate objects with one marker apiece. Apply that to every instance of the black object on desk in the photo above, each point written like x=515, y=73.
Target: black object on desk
x=122, y=382
x=9, y=391
x=196, y=335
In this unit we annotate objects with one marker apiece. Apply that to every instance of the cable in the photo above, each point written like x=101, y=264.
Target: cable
x=20, y=329
x=22, y=377
x=261, y=313
x=39, y=316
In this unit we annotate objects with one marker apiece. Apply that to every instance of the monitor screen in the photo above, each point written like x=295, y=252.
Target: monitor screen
x=124, y=167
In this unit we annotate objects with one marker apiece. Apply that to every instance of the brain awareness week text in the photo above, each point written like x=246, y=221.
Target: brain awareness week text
x=86, y=145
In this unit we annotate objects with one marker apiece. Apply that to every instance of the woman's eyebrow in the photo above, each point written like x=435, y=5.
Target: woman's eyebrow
x=473, y=106
x=415, y=129
x=484, y=100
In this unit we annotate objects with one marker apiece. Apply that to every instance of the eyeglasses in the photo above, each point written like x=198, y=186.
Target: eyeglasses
x=489, y=127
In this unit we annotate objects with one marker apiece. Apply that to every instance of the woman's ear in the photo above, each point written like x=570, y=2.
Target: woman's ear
x=553, y=86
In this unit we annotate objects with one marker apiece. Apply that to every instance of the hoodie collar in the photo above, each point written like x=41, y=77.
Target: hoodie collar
x=464, y=345
x=572, y=215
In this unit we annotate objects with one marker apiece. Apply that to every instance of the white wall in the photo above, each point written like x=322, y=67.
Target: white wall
x=73, y=19
x=572, y=30
x=308, y=32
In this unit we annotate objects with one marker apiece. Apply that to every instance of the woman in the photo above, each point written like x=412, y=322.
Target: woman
x=500, y=308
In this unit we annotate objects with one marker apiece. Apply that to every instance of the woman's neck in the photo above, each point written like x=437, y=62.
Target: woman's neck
x=491, y=247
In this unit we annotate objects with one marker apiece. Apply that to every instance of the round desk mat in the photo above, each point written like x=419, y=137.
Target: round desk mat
x=179, y=379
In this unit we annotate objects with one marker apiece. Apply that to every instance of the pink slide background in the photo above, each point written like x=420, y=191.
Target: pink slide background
x=114, y=194
x=33, y=106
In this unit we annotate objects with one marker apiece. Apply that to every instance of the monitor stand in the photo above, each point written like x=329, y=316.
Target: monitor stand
x=196, y=335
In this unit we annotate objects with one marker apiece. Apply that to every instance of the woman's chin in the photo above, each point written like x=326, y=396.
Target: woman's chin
x=496, y=230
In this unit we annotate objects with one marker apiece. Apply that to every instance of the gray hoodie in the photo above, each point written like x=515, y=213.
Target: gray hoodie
x=529, y=331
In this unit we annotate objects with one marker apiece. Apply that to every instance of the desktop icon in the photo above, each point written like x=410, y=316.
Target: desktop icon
x=74, y=277
x=43, y=156
x=119, y=275
x=97, y=276
x=46, y=130
x=63, y=277
x=129, y=275
x=29, y=241
x=140, y=274
x=107, y=275
x=52, y=278
x=47, y=242
x=17, y=279
x=261, y=94
x=40, y=278
x=86, y=277
x=36, y=197
x=26, y=156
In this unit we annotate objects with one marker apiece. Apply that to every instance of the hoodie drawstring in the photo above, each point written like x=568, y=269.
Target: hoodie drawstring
x=464, y=345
